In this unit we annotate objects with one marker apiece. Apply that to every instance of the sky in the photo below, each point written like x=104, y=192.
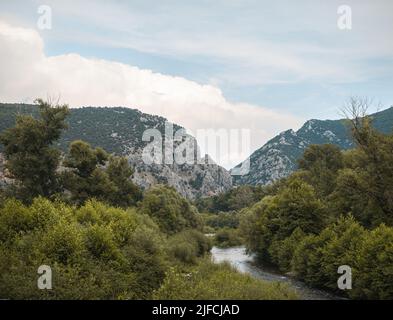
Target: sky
x=267, y=66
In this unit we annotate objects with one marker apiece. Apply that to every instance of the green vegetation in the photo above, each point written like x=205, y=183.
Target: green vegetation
x=208, y=281
x=31, y=159
x=369, y=253
x=187, y=246
x=113, y=129
x=233, y=200
x=221, y=216
x=95, y=251
x=101, y=252
x=103, y=239
x=172, y=212
x=228, y=237
x=335, y=210
x=88, y=178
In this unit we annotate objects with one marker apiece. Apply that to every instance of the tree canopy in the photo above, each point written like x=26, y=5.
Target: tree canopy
x=28, y=147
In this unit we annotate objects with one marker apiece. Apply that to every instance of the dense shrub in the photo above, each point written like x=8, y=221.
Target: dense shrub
x=253, y=227
x=368, y=253
x=275, y=218
x=374, y=268
x=95, y=252
x=281, y=251
x=317, y=258
x=188, y=245
x=92, y=173
x=221, y=220
x=169, y=209
x=233, y=200
x=219, y=281
x=227, y=237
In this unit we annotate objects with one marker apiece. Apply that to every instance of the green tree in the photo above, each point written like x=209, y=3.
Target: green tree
x=84, y=158
x=296, y=206
x=92, y=173
x=374, y=268
x=31, y=158
x=119, y=172
x=86, y=177
x=169, y=209
x=322, y=163
x=373, y=164
x=254, y=227
x=275, y=218
x=234, y=199
x=282, y=251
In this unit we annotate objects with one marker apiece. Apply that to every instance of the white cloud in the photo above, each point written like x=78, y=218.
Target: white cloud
x=267, y=42
x=27, y=73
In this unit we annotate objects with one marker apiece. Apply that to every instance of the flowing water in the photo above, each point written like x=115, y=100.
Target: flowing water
x=243, y=262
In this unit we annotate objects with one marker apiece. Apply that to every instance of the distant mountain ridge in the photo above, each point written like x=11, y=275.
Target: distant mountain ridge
x=119, y=130
x=278, y=157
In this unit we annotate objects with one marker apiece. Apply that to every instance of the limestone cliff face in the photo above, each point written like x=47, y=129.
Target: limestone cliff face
x=189, y=180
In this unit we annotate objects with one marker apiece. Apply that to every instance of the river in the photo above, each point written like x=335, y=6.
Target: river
x=243, y=262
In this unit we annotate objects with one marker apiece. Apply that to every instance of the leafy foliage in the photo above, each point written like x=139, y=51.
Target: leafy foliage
x=31, y=159
x=169, y=210
x=233, y=200
x=221, y=220
x=335, y=210
x=322, y=163
x=96, y=251
x=88, y=178
x=209, y=281
x=227, y=237
x=187, y=246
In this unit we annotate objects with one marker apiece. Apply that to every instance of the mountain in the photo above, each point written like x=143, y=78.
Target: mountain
x=119, y=130
x=278, y=157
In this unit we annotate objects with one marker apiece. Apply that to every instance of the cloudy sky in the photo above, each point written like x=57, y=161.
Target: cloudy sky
x=262, y=65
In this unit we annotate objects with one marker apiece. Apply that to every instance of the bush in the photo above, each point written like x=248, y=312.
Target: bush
x=221, y=220
x=318, y=257
x=188, y=245
x=281, y=251
x=63, y=243
x=227, y=237
x=169, y=210
x=15, y=219
x=95, y=252
x=275, y=218
x=346, y=238
x=253, y=228
x=101, y=245
x=208, y=281
x=374, y=270
x=368, y=253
